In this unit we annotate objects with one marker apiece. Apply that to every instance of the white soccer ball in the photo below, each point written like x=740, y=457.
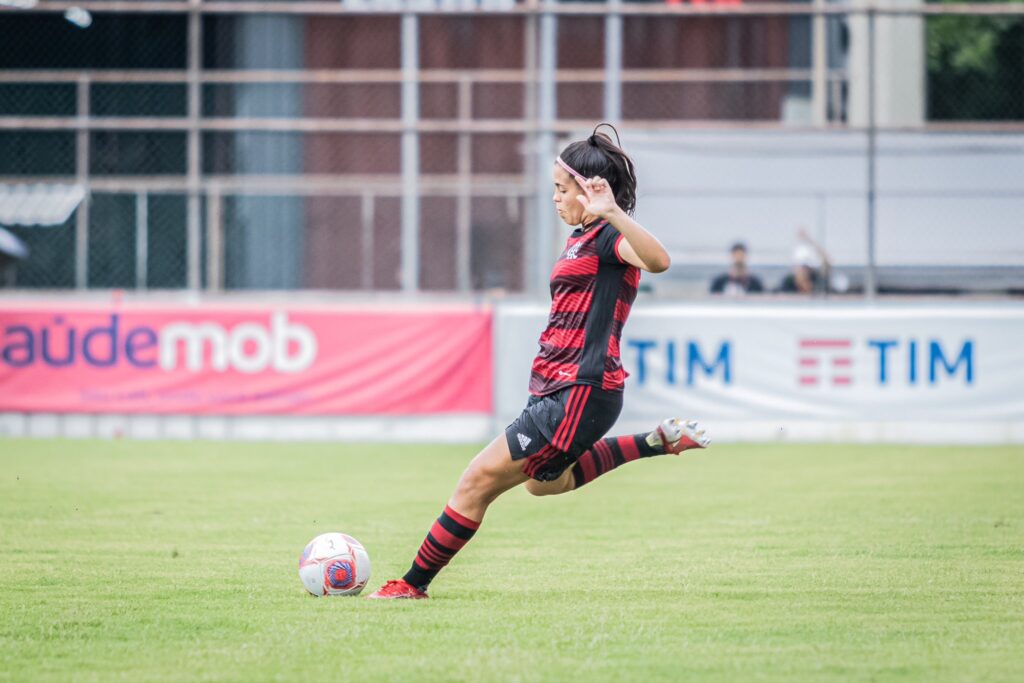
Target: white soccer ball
x=334, y=564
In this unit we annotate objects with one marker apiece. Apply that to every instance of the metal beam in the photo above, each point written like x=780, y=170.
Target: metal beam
x=871, y=279
x=410, y=275
x=547, y=104
x=531, y=238
x=613, y=63
x=482, y=126
x=819, y=67
x=82, y=178
x=367, y=210
x=141, y=240
x=552, y=7
x=214, y=241
x=397, y=76
x=192, y=218
x=463, y=201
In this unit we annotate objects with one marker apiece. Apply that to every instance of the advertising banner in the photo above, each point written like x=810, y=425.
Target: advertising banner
x=827, y=362
x=224, y=360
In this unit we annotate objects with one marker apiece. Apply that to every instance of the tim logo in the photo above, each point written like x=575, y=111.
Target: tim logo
x=686, y=361
x=573, y=252
x=887, y=362
x=825, y=361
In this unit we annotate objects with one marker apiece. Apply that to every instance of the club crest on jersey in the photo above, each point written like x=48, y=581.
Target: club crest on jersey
x=573, y=251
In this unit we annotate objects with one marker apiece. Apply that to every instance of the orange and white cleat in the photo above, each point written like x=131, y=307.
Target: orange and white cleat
x=398, y=589
x=677, y=436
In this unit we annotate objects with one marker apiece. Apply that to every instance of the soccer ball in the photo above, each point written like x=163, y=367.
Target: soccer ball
x=334, y=564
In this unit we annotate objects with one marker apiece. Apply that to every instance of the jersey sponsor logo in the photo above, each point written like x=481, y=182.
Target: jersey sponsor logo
x=524, y=440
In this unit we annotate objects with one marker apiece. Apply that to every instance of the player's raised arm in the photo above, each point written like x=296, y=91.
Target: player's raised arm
x=639, y=247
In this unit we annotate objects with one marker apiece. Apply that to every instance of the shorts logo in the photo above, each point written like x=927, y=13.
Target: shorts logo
x=524, y=440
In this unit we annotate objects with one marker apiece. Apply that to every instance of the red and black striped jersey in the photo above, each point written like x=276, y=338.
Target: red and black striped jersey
x=592, y=290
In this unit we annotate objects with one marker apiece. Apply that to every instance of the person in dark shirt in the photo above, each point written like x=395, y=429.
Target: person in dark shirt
x=576, y=382
x=811, y=270
x=739, y=280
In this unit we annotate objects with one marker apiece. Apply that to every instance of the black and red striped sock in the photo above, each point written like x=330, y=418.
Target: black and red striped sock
x=450, y=532
x=609, y=453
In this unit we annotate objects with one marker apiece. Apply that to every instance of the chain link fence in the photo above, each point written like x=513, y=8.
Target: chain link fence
x=367, y=149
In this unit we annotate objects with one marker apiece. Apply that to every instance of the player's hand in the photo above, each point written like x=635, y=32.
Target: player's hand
x=598, y=200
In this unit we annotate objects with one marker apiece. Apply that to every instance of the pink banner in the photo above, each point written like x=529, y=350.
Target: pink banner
x=213, y=360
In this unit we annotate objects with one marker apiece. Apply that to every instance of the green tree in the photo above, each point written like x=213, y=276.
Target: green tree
x=975, y=68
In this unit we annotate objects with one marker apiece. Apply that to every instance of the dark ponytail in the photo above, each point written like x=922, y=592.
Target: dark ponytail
x=598, y=155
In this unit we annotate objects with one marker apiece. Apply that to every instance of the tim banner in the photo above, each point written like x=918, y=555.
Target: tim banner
x=830, y=363
x=233, y=360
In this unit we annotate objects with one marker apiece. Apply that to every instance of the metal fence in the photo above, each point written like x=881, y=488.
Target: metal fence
x=405, y=146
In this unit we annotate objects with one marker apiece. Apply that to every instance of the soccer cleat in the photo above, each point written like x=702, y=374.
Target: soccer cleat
x=677, y=436
x=398, y=589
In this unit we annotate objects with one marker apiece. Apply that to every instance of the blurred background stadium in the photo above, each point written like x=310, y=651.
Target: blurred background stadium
x=387, y=154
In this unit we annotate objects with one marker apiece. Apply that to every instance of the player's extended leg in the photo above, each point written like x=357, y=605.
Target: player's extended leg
x=672, y=436
x=488, y=475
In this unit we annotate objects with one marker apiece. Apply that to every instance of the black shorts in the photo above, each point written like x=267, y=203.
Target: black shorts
x=554, y=430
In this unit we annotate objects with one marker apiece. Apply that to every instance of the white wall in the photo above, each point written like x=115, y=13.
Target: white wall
x=943, y=200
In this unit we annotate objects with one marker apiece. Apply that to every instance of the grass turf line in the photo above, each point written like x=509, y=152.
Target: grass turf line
x=177, y=561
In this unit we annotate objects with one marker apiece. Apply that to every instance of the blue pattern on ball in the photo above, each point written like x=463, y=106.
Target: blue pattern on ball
x=339, y=574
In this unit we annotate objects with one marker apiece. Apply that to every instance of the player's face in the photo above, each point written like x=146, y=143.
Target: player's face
x=566, y=190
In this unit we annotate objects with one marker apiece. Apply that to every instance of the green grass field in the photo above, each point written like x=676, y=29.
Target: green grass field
x=177, y=561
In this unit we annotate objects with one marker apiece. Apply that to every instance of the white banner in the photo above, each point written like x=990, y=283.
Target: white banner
x=807, y=371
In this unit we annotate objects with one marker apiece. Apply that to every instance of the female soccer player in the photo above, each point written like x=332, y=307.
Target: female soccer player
x=555, y=445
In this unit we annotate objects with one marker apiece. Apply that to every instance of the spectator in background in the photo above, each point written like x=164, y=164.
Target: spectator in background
x=738, y=281
x=811, y=268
